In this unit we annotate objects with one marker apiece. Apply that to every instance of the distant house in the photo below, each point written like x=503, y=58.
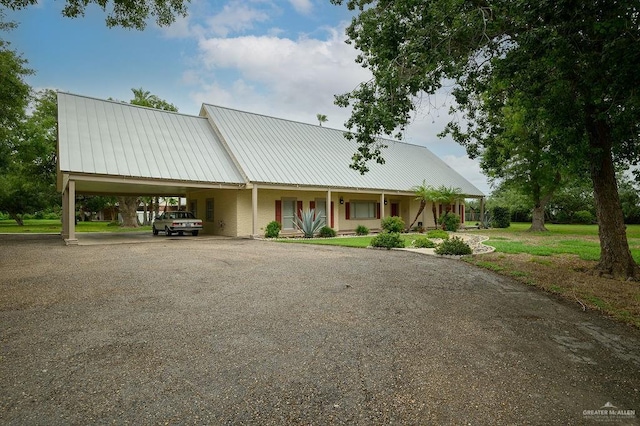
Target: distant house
x=238, y=170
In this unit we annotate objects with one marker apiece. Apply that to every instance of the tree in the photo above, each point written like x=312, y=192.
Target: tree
x=127, y=14
x=144, y=98
x=578, y=60
x=441, y=195
x=14, y=91
x=28, y=176
x=520, y=153
x=321, y=119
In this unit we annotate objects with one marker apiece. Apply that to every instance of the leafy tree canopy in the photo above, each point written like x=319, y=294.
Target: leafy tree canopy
x=28, y=176
x=577, y=63
x=127, y=14
x=144, y=98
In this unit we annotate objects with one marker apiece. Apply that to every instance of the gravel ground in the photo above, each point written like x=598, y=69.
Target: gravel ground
x=204, y=331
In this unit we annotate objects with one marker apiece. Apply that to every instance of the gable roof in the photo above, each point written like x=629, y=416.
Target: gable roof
x=233, y=147
x=276, y=151
x=114, y=138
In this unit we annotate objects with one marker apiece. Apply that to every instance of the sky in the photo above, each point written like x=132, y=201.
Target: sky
x=286, y=59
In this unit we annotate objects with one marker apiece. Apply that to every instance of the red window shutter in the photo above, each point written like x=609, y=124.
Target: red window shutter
x=279, y=211
x=378, y=211
x=299, y=209
x=346, y=211
x=312, y=206
x=332, y=214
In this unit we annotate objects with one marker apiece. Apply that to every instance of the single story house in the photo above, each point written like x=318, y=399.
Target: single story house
x=238, y=170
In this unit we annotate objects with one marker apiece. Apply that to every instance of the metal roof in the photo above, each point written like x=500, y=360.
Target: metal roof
x=114, y=138
x=277, y=151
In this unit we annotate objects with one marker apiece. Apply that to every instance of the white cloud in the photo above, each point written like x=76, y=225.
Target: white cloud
x=288, y=78
x=302, y=6
x=235, y=17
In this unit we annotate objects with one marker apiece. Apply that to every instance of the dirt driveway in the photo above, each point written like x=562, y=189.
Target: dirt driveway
x=252, y=332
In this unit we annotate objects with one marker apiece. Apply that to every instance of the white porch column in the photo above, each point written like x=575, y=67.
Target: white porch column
x=329, y=210
x=382, y=206
x=458, y=211
x=254, y=210
x=69, y=214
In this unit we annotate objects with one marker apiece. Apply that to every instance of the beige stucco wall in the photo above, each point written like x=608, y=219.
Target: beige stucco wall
x=225, y=208
x=233, y=209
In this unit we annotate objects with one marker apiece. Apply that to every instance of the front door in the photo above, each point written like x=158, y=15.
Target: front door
x=395, y=209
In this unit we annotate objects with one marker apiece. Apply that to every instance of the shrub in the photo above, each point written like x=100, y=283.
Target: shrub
x=438, y=233
x=393, y=224
x=423, y=243
x=450, y=221
x=272, y=230
x=388, y=240
x=362, y=230
x=583, y=216
x=501, y=217
x=419, y=229
x=308, y=223
x=326, y=232
x=454, y=246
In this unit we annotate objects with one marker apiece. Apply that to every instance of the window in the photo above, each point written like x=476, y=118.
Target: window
x=288, y=212
x=209, y=211
x=321, y=209
x=362, y=210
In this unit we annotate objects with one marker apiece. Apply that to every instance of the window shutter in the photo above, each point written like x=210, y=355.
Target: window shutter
x=347, y=212
x=332, y=214
x=312, y=206
x=299, y=208
x=279, y=211
x=377, y=210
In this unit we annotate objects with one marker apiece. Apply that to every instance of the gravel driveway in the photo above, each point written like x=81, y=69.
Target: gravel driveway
x=203, y=331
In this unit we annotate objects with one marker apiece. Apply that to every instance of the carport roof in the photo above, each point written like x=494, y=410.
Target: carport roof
x=108, y=138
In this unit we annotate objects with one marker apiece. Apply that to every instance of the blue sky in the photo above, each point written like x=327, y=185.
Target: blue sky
x=281, y=58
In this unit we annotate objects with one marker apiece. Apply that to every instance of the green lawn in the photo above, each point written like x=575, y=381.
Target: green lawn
x=54, y=226
x=581, y=240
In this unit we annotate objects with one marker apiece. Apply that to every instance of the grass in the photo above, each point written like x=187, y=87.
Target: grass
x=54, y=226
x=562, y=261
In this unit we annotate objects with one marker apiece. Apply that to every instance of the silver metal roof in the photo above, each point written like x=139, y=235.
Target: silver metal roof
x=113, y=138
x=277, y=151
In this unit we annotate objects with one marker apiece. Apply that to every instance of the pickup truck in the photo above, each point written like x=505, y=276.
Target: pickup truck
x=179, y=222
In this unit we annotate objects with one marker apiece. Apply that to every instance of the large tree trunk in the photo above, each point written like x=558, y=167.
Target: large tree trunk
x=129, y=211
x=537, y=220
x=17, y=218
x=615, y=256
x=156, y=208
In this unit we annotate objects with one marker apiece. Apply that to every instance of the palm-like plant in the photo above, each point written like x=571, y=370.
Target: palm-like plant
x=443, y=195
x=321, y=119
x=308, y=223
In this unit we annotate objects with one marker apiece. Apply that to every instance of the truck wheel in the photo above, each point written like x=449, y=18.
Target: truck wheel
x=155, y=231
x=194, y=233
x=166, y=231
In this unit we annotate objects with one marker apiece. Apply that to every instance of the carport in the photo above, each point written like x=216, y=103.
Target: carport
x=112, y=148
x=79, y=184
